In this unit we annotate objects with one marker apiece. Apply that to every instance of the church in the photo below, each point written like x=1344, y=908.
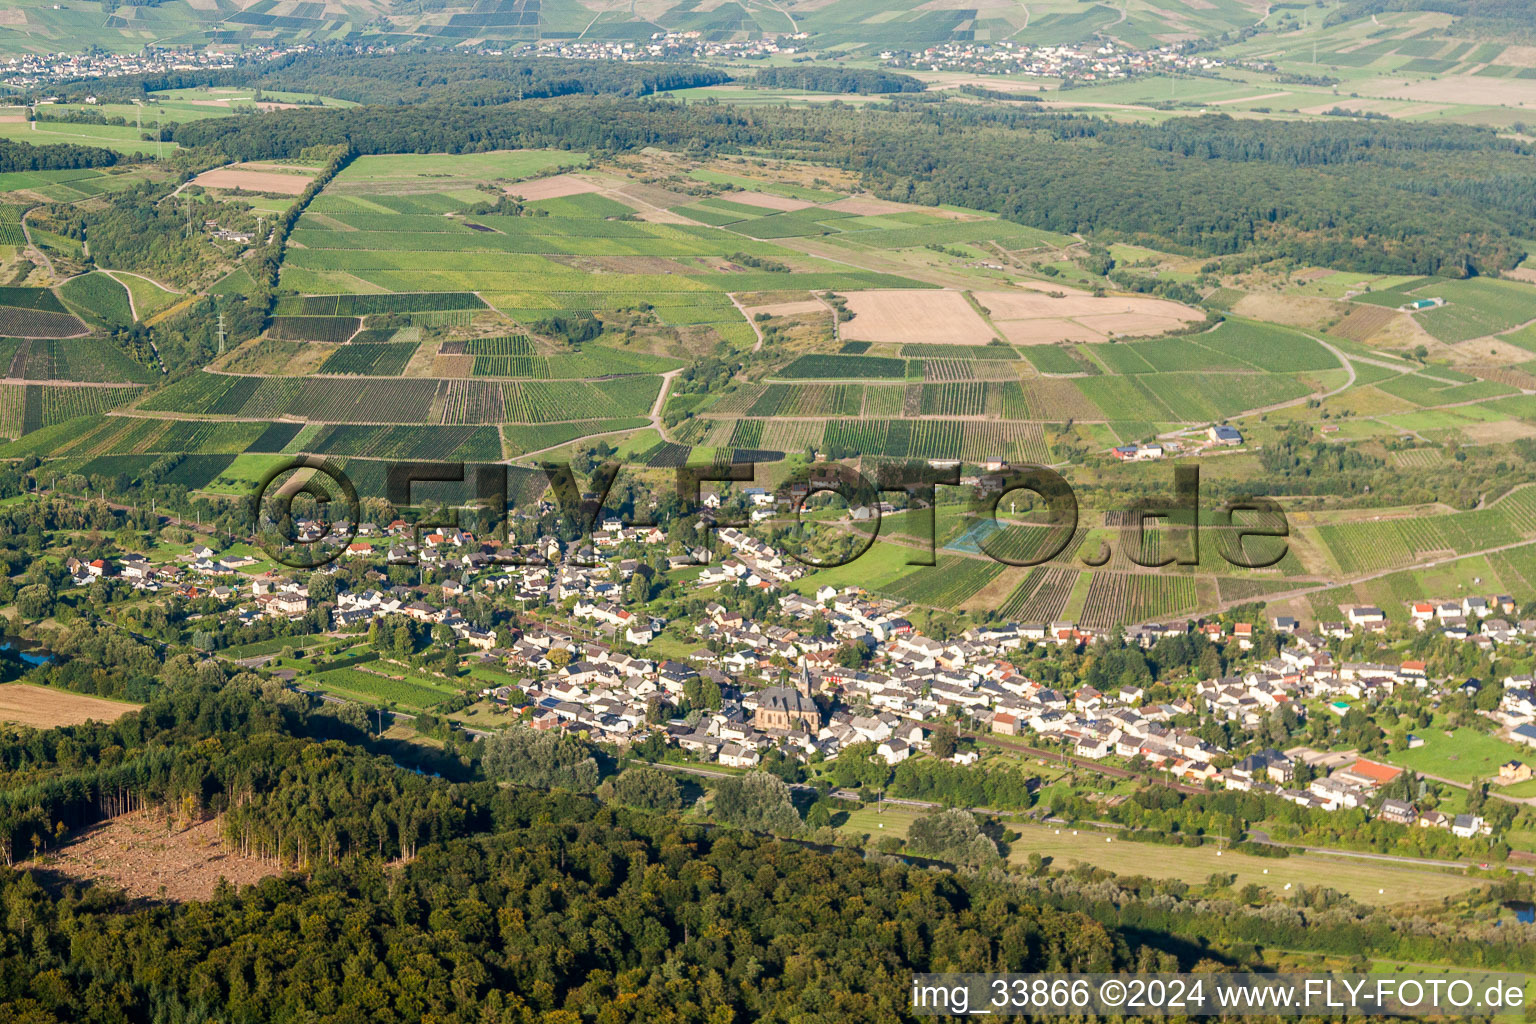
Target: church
x=780, y=708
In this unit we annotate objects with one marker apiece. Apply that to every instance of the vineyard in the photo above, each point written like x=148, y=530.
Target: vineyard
x=85, y=359
x=371, y=359
x=926, y=439
x=366, y=684
x=835, y=367
x=30, y=407
x=10, y=225
x=555, y=401
x=313, y=328
x=40, y=299
x=1041, y=597
x=521, y=439
x=275, y=438
x=921, y=350
x=505, y=345
x=947, y=585
x=368, y=305
x=207, y=394
x=1116, y=598
x=1058, y=359
x=1363, y=547
x=34, y=323
x=592, y=361
x=209, y=437
x=332, y=329
x=455, y=444
x=808, y=400
x=114, y=436
x=100, y=296
x=190, y=471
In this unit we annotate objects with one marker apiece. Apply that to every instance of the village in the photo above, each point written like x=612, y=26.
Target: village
x=1083, y=62
x=839, y=666
x=34, y=70
x=684, y=45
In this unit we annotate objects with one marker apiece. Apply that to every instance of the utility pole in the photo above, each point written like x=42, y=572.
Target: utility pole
x=221, y=332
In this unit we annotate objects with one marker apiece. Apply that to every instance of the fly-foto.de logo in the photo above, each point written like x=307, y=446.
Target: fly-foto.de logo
x=306, y=511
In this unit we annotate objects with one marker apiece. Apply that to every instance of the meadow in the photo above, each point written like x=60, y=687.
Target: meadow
x=1461, y=755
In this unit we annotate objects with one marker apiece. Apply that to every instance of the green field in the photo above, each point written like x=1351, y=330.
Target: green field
x=1462, y=756
x=122, y=140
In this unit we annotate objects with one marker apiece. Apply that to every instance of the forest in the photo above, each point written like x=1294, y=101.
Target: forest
x=517, y=904
x=18, y=156
x=841, y=80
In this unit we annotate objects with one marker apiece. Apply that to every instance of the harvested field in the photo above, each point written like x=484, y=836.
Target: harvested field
x=1501, y=432
x=142, y=856
x=934, y=317
x=642, y=195
x=556, y=186
x=1291, y=310
x=1045, y=331
x=43, y=707
x=1502, y=92
x=1364, y=322
x=280, y=182
x=787, y=308
x=1132, y=324
x=768, y=201
x=1029, y=305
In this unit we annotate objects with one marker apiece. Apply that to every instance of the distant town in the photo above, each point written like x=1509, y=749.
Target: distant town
x=1081, y=62
x=34, y=70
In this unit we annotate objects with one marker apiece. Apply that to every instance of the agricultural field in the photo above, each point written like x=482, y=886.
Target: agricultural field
x=43, y=707
x=274, y=179
x=121, y=139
